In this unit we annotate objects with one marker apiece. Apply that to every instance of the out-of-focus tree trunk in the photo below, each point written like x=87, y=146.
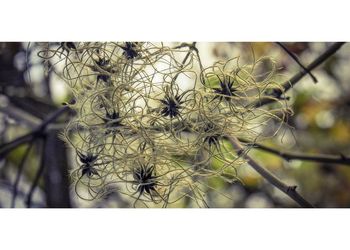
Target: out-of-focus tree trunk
x=56, y=172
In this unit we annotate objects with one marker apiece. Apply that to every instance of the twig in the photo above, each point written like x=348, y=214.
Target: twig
x=288, y=190
x=277, y=92
x=198, y=57
x=5, y=184
x=19, y=173
x=295, y=156
x=20, y=116
x=7, y=147
x=297, y=61
x=188, y=53
x=37, y=175
x=37, y=132
x=190, y=46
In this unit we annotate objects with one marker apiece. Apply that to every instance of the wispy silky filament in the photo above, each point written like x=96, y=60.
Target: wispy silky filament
x=139, y=130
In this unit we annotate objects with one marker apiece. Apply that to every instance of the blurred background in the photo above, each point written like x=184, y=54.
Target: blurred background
x=34, y=173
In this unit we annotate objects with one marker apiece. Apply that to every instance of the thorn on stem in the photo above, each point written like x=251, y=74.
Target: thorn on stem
x=343, y=157
x=291, y=188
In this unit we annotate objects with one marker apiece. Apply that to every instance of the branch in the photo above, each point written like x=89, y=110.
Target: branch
x=288, y=190
x=277, y=92
x=186, y=57
x=19, y=173
x=192, y=47
x=297, y=61
x=38, y=174
x=7, y=147
x=295, y=156
x=5, y=184
x=20, y=116
x=37, y=132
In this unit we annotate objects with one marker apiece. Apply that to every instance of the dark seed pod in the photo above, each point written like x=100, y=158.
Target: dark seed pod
x=88, y=161
x=171, y=105
x=88, y=170
x=67, y=46
x=145, y=179
x=130, y=50
x=213, y=137
x=112, y=121
x=226, y=89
